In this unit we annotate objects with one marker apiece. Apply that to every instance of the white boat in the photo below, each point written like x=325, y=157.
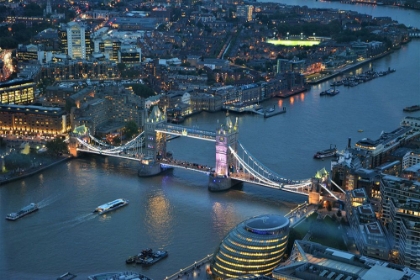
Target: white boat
x=104, y=208
x=22, y=212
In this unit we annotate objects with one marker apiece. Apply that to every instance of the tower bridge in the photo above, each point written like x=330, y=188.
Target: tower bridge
x=234, y=163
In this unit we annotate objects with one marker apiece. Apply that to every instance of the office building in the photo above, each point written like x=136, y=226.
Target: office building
x=244, y=11
x=129, y=55
x=369, y=236
x=17, y=91
x=33, y=120
x=380, y=150
x=75, y=40
x=255, y=246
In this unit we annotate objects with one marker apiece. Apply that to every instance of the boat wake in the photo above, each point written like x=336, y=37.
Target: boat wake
x=77, y=221
x=49, y=200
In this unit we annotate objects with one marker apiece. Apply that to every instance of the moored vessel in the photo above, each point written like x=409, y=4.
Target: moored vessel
x=131, y=259
x=332, y=151
x=22, y=212
x=413, y=108
x=148, y=257
x=125, y=275
x=104, y=208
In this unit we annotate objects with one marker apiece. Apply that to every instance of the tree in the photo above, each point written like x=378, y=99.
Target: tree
x=17, y=160
x=130, y=129
x=117, y=140
x=69, y=104
x=121, y=67
x=56, y=146
x=32, y=10
x=239, y=61
x=142, y=90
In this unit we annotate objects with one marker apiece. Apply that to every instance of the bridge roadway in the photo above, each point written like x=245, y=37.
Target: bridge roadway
x=186, y=165
x=191, y=132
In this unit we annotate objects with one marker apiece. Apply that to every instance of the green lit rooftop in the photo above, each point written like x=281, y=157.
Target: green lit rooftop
x=292, y=43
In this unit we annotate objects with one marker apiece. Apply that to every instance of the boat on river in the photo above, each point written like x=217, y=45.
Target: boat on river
x=124, y=275
x=413, y=108
x=22, y=212
x=337, y=83
x=332, y=151
x=329, y=92
x=110, y=206
x=148, y=257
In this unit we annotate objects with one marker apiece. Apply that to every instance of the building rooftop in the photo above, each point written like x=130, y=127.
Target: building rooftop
x=386, y=140
x=414, y=168
x=309, y=260
x=388, y=165
x=385, y=273
x=359, y=193
x=374, y=228
x=366, y=209
x=265, y=223
x=30, y=108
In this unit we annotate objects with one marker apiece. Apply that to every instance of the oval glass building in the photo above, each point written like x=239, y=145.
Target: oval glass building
x=255, y=246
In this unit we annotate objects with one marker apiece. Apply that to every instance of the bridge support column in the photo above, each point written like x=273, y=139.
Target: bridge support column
x=155, y=144
x=225, y=136
x=73, y=147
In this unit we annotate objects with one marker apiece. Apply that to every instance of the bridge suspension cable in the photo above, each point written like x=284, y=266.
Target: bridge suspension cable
x=134, y=143
x=251, y=170
x=338, y=187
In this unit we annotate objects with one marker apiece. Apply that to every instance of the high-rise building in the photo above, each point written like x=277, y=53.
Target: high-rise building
x=244, y=11
x=48, y=9
x=75, y=40
x=400, y=213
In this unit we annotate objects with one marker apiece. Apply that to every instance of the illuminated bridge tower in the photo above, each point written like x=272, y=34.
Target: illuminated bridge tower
x=155, y=144
x=226, y=136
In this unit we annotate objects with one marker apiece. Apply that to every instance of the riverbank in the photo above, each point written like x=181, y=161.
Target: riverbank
x=13, y=176
x=313, y=80
x=382, y=3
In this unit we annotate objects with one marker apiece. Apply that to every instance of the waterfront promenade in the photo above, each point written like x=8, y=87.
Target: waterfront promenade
x=319, y=78
x=13, y=176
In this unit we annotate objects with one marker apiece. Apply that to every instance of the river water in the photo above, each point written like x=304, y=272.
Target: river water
x=175, y=211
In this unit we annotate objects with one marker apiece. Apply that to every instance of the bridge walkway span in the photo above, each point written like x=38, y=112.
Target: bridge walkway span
x=191, y=132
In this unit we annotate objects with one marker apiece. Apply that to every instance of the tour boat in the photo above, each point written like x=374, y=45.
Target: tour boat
x=22, y=212
x=104, y=208
x=326, y=153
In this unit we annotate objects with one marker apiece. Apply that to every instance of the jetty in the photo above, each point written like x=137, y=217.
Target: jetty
x=274, y=113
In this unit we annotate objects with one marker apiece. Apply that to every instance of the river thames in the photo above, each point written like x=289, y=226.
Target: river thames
x=174, y=211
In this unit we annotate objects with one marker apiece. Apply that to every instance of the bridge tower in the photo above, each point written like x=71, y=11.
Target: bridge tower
x=155, y=144
x=226, y=136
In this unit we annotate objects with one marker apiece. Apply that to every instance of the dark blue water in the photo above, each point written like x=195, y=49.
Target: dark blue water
x=405, y=16
x=175, y=211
